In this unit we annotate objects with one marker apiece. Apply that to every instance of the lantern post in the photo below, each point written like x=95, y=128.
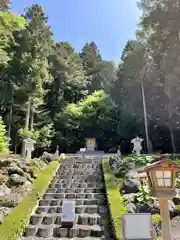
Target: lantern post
x=161, y=179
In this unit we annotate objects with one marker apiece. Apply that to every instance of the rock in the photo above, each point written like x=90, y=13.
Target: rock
x=5, y=162
x=124, y=168
x=15, y=170
x=4, y=191
x=130, y=198
x=3, y=178
x=47, y=157
x=131, y=185
x=11, y=201
x=4, y=211
x=131, y=207
x=131, y=174
x=176, y=200
x=175, y=226
x=15, y=179
x=154, y=207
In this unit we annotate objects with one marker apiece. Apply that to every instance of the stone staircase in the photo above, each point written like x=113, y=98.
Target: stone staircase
x=83, y=182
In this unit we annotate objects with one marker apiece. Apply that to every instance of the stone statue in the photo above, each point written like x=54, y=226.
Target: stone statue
x=137, y=145
x=57, y=151
x=29, y=147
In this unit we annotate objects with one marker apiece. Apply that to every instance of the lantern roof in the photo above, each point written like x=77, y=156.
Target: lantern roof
x=161, y=162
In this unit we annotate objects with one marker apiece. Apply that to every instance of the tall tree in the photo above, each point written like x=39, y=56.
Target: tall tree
x=69, y=80
x=91, y=60
x=35, y=42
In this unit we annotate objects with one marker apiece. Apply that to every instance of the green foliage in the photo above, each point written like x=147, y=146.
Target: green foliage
x=91, y=61
x=96, y=112
x=144, y=195
x=156, y=219
x=46, y=133
x=10, y=22
x=115, y=200
x=3, y=138
x=177, y=207
x=178, y=183
x=34, y=134
x=140, y=160
x=15, y=223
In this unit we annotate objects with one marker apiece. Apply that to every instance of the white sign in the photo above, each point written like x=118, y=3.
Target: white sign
x=68, y=211
x=137, y=226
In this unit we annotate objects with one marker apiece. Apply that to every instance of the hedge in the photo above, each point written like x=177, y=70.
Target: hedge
x=115, y=200
x=15, y=223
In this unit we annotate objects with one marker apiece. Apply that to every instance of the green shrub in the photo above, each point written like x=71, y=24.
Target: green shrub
x=115, y=200
x=156, y=219
x=177, y=207
x=144, y=196
x=3, y=138
x=178, y=183
x=15, y=223
x=140, y=160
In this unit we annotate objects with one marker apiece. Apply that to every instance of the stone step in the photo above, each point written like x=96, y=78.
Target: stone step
x=64, y=238
x=81, y=181
x=59, y=202
x=81, y=219
x=74, y=184
x=49, y=231
x=79, y=209
x=75, y=190
x=74, y=196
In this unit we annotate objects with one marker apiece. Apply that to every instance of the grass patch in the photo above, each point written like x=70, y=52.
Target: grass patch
x=115, y=200
x=15, y=223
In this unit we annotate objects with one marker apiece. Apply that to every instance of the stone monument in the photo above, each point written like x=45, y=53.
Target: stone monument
x=57, y=151
x=29, y=147
x=90, y=144
x=137, y=145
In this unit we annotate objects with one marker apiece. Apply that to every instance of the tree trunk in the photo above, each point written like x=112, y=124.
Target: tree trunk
x=10, y=115
x=26, y=128
x=170, y=128
x=32, y=119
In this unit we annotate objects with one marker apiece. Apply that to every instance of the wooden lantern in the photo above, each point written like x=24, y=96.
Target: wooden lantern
x=162, y=176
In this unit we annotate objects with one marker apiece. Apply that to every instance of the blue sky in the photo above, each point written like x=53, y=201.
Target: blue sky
x=110, y=23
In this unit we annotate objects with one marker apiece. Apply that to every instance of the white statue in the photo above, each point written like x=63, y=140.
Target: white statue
x=29, y=147
x=137, y=145
x=57, y=151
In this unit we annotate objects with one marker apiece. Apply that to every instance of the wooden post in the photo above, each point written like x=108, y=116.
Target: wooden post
x=165, y=219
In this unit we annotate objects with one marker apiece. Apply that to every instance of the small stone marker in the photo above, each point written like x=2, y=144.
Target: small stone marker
x=68, y=213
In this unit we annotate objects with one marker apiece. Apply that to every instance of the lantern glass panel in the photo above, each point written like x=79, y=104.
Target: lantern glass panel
x=164, y=178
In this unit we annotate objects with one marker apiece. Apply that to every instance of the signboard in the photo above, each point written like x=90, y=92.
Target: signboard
x=137, y=226
x=91, y=143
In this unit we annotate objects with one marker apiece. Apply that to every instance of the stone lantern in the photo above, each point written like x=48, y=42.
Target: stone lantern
x=161, y=179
